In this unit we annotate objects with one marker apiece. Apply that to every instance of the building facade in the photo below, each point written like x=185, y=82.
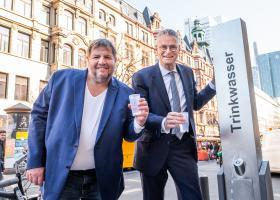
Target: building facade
x=207, y=117
x=206, y=24
x=38, y=37
x=269, y=72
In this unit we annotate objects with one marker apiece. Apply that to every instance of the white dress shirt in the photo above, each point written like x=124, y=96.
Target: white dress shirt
x=166, y=78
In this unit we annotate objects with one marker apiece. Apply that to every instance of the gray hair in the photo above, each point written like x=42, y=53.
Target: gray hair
x=169, y=32
x=102, y=43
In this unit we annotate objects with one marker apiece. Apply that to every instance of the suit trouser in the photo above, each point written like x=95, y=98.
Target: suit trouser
x=182, y=166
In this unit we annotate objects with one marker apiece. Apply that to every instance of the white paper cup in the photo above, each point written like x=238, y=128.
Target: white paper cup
x=185, y=127
x=134, y=102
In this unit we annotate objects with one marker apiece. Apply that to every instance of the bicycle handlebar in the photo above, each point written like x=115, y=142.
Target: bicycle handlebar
x=8, y=182
x=9, y=195
x=20, y=159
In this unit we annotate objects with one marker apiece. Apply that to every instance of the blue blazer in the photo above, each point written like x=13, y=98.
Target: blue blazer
x=152, y=148
x=55, y=127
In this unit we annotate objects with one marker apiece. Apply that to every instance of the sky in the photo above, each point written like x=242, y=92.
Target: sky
x=262, y=17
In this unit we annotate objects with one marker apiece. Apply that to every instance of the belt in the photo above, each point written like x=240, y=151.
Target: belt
x=83, y=172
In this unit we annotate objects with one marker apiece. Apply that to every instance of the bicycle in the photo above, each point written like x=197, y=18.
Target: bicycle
x=19, y=192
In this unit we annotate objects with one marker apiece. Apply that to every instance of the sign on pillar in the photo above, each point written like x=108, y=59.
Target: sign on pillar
x=238, y=122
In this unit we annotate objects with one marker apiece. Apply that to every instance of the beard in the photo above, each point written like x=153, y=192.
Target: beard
x=102, y=78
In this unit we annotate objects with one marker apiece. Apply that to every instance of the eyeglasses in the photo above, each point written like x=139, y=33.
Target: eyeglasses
x=172, y=48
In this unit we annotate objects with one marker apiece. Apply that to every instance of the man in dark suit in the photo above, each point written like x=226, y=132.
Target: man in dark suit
x=77, y=127
x=169, y=89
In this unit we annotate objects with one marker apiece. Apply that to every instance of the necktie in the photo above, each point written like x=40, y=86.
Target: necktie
x=176, y=106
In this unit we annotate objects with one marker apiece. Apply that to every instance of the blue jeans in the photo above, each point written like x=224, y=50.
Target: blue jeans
x=81, y=185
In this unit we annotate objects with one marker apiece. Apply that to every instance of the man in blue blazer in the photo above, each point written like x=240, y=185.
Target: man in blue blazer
x=169, y=89
x=77, y=127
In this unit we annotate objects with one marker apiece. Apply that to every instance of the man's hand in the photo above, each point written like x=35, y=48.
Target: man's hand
x=143, y=112
x=36, y=175
x=173, y=119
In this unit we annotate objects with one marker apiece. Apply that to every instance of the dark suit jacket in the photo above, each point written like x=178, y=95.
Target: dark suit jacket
x=55, y=130
x=152, y=148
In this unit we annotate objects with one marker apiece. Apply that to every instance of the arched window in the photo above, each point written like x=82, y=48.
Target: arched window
x=82, y=58
x=68, y=20
x=82, y=26
x=199, y=38
x=112, y=20
x=102, y=15
x=67, y=55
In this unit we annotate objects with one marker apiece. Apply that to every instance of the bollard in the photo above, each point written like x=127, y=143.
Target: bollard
x=204, y=186
x=1, y=171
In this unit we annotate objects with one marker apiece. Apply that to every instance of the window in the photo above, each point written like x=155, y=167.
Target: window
x=129, y=51
x=201, y=117
x=42, y=85
x=68, y=20
x=145, y=58
x=21, y=89
x=4, y=39
x=55, y=17
x=23, y=42
x=213, y=103
x=67, y=55
x=3, y=85
x=129, y=29
x=6, y=4
x=196, y=64
x=145, y=37
x=45, y=15
x=23, y=7
x=112, y=20
x=82, y=26
x=102, y=15
x=198, y=80
x=82, y=58
x=53, y=54
x=88, y=5
x=157, y=25
x=44, y=54
x=181, y=56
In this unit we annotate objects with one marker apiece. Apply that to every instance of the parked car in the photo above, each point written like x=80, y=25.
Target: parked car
x=271, y=149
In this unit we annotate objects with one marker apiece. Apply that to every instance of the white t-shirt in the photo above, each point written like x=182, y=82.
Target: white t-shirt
x=92, y=112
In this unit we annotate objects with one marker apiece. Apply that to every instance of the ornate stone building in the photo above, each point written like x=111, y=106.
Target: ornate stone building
x=38, y=37
x=206, y=118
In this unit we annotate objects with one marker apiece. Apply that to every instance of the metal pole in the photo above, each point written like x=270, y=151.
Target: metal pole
x=204, y=186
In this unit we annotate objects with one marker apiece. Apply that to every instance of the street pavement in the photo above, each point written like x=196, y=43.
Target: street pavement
x=133, y=189
x=210, y=168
